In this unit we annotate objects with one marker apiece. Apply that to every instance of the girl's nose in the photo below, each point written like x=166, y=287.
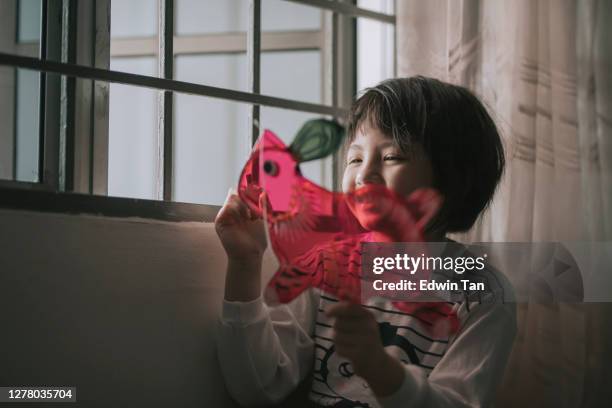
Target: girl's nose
x=368, y=174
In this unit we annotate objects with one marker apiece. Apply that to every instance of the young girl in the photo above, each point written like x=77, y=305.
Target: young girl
x=404, y=134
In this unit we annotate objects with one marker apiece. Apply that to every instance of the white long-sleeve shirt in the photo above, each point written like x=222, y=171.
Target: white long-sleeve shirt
x=265, y=352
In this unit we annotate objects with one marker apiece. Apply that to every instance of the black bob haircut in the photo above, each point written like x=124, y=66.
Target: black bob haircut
x=455, y=131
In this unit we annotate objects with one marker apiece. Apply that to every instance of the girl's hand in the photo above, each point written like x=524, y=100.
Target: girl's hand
x=241, y=232
x=357, y=338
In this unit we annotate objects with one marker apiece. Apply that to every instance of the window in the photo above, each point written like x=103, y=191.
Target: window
x=166, y=104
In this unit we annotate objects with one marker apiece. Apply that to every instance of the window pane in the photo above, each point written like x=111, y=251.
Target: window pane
x=134, y=34
x=135, y=65
x=27, y=118
x=19, y=124
x=132, y=139
x=292, y=74
x=222, y=70
x=7, y=126
x=29, y=21
x=230, y=16
x=210, y=16
x=375, y=46
x=20, y=25
x=211, y=144
x=280, y=15
x=382, y=6
x=210, y=140
x=133, y=18
x=285, y=124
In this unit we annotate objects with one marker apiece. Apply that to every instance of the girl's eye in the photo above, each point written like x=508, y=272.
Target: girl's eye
x=354, y=160
x=393, y=158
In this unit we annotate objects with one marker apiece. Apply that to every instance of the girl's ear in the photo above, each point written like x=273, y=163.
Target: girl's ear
x=316, y=139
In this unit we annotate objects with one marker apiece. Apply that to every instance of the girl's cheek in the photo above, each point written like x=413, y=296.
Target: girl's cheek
x=348, y=180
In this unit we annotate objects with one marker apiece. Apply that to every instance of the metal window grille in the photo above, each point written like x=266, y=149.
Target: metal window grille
x=60, y=149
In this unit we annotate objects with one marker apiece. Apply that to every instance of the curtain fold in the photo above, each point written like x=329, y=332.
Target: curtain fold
x=543, y=68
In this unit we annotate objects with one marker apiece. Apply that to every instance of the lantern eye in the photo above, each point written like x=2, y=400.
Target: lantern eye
x=270, y=168
x=346, y=370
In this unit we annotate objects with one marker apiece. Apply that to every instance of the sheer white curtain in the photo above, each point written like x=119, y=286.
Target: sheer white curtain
x=544, y=69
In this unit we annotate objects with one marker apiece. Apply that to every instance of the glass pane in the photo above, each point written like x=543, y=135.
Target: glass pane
x=211, y=144
x=29, y=13
x=210, y=16
x=20, y=25
x=292, y=75
x=20, y=29
x=19, y=124
x=375, y=50
x=382, y=6
x=133, y=18
x=285, y=124
x=302, y=82
x=222, y=70
x=280, y=15
x=27, y=138
x=134, y=34
x=7, y=125
x=135, y=65
x=132, y=139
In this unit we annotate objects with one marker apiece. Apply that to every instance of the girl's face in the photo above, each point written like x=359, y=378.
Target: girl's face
x=373, y=158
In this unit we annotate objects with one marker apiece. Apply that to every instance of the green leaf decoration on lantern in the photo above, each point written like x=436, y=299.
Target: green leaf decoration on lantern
x=316, y=139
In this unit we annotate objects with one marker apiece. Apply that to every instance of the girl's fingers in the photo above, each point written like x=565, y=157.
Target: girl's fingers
x=242, y=208
x=349, y=325
x=233, y=210
x=263, y=201
x=346, y=350
x=352, y=319
x=345, y=340
x=234, y=201
x=256, y=215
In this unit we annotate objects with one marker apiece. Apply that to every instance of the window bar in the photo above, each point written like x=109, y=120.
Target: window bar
x=334, y=91
x=49, y=125
x=83, y=106
x=394, y=8
x=107, y=75
x=98, y=170
x=164, y=126
x=330, y=47
x=41, y=97
x=254, y=61
x=346, y=63
x=9, y=40
x=348, y=9
x=67, y=108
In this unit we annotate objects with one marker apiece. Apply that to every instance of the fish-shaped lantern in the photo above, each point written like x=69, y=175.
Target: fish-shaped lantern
x=317, y=234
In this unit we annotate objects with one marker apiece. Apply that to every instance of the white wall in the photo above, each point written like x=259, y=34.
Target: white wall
x=123, y=309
